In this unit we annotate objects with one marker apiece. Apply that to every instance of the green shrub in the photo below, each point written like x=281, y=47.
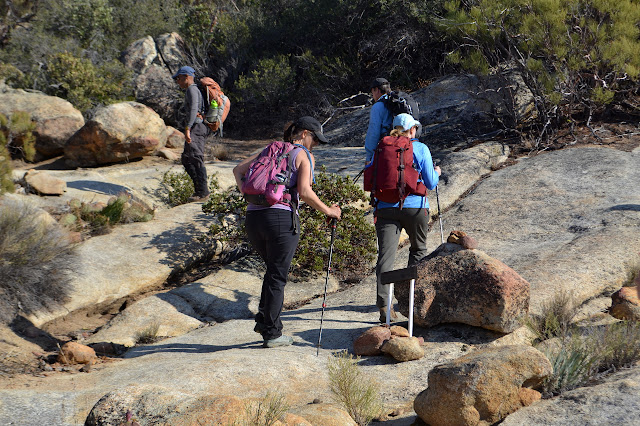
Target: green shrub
x=573, y=366
x=269, y=83
x=586, y=354
x=355, y=239
x=84, y=84
x=6, y=181
x=177, y=187
x=100, y=220
x=617, y=345
x=18, y=135
x=358, y=394
x=35, y=256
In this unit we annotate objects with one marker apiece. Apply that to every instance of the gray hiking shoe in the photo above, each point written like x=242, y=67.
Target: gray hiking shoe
x=278, y=341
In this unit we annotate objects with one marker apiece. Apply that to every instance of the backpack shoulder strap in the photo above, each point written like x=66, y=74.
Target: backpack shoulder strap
x=313, y=177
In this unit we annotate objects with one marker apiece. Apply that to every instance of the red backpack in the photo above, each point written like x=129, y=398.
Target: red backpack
x=391, y=176
x=268, y=179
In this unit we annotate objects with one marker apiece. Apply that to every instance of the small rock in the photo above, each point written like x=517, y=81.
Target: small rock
x=625, y=304
x=455, y=237
x=167, y=153
x=370, y=341
x=399, y=331
x=403, y=348
x=468, y=242
x=44, y=183
x=75, y=353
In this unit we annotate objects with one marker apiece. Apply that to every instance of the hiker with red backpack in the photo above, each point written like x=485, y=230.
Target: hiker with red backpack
x=398, y=177
x=273, y=182
x=195, y=133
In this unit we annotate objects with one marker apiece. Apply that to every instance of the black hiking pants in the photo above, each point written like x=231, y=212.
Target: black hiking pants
x=271, y=234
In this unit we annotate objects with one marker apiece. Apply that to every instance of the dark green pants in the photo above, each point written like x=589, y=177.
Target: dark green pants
x=389, y=225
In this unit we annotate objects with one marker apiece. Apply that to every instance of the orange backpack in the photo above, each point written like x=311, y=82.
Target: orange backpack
x=216, y=104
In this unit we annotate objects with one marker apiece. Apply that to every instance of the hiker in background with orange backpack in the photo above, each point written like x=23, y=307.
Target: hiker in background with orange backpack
x=195, y=133
x=273, y=182
x=216, y=104
x=400, y=199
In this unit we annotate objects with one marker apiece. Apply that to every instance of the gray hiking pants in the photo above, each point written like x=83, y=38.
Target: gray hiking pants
x=389, y=225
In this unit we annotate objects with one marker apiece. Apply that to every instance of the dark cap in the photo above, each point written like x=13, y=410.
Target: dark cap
x=186, y=70
x=310, y=123
x=378, y=82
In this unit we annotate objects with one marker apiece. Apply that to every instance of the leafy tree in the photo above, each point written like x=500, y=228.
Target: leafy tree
x=578, y=56
x=14, y=13
x=83, y=84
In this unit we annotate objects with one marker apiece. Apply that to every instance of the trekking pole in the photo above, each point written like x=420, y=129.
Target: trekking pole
x=439, y=216
x=334, y=223
x=358, y=175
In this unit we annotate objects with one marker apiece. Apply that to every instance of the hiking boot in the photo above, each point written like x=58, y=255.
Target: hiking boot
x=278, y=341
x=383, y=315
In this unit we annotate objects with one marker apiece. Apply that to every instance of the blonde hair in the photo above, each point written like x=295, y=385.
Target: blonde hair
x=399, y=131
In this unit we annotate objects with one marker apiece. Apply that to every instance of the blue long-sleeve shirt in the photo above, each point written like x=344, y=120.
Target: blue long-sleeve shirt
x=424, y=164
x=380, y=122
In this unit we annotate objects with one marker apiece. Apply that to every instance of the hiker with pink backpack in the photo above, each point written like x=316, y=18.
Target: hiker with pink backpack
x=398, y=176
x=274, y=182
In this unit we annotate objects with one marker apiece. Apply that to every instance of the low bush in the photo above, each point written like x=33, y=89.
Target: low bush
x=587, y=354
x=97, y=220
x=6, y=180
x=35, y=257
x=358, y=394
x=177, y=187
x=267, y=411
x=555, y=319
x=17, y=134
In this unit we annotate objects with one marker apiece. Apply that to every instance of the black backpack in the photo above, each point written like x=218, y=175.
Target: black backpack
x=401, y=103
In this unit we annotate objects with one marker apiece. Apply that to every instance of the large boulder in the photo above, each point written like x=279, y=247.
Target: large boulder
x=56, y=119
x=153, y=62
x=454, y=109
x=165, y=407
x=468, y=287
x=483, y=387
x=118, y=132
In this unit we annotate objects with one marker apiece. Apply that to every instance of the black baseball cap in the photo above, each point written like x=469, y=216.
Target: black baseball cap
x=378, y=82
x=310, y=123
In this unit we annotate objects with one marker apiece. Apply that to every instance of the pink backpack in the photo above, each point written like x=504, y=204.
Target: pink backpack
x=268, y=179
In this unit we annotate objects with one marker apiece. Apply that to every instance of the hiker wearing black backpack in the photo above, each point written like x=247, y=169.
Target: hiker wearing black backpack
x=380, y=118
x=399, y=194
x=387, y=104
x=195, y=133
x=273, y=182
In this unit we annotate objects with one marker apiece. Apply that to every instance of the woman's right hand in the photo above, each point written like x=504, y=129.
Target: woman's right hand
x=335, y=212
